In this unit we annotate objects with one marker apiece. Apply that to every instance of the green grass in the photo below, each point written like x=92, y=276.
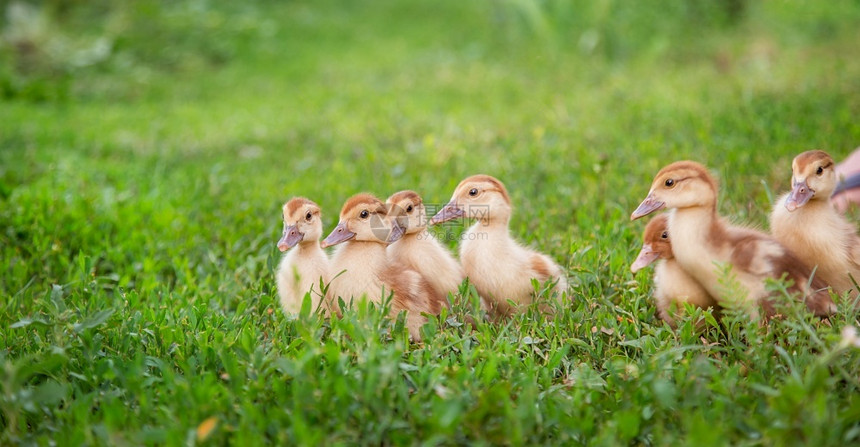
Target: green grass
x=140, y=205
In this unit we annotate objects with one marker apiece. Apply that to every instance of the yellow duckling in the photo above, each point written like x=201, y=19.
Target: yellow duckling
x=361, y=268
x=303, y=268
x=500, y=268
x=805, y=221
x=418, y=249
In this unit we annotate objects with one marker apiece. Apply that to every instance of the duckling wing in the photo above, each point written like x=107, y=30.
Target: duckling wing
x=542, y=268
x=756, y=254
x=765, y=257
x=413, y=294
x=411, y=291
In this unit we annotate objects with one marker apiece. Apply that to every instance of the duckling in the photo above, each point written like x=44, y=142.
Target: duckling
x=418, y=249
x=672, y=284
x=805, y=220
x=362, y=269
x=703, y=242
x=301, y=270
x=499, y=267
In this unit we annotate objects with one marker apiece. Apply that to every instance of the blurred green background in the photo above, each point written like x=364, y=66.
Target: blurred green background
x=146, y=147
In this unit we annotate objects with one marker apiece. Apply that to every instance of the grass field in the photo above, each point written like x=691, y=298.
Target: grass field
x=145, y=150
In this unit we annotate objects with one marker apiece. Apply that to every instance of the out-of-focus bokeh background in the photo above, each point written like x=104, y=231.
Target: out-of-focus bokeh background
x=146, y=147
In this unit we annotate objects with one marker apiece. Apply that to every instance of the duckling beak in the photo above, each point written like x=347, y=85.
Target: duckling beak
x=648, y=206
x=450, y=211
x=397, y=232
x=338, y=235
x=646, y=256
x=291, y=237
x=799, y=195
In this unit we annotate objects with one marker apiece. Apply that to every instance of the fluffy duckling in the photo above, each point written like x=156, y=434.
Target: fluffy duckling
x=301, y=270
x=361, y=268
x=418, y=249
x=703, y=242
x=499, y=267
x=671, y=283
x=805, y=220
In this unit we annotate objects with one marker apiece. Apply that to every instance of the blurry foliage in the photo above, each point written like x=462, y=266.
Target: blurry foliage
x=44, y=46
x=49, y=48
x=613, y=29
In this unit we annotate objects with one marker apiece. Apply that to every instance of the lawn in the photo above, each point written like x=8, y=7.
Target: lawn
x=146, y=148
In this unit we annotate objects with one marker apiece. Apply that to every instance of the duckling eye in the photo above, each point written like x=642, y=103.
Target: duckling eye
x=473, y=192
x=409, y=209
x=665, y=235
x=308, y=217
x=364, y=214
x=670, y=183
x=819, y=171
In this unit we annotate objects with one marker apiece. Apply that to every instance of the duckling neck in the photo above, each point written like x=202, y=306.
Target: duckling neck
x=308, y=248
x=697, y=234
x=366, y=249
x=819, y=203
x=361, y=256
x=695, y=227
x=489, y=230
x=409, y=241
x=356, y=268
x=420, y=237
x=492, y=223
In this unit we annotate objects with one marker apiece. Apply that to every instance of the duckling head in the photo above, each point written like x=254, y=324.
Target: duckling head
x=812, y=178
x=407, y=208
x=655, y=243
x=683, y=184
x=302, y=223
x=364, y=218
x=480, y=197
